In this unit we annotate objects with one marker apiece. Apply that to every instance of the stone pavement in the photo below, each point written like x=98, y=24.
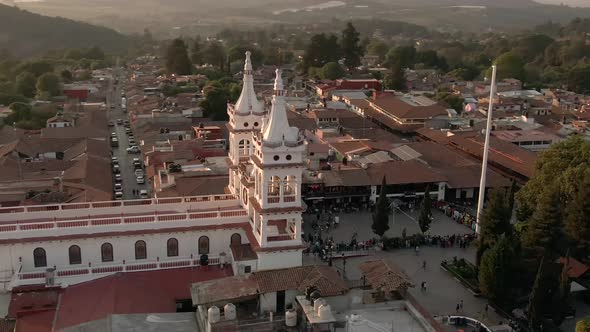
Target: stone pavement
x=360, y=223
x=443, y=291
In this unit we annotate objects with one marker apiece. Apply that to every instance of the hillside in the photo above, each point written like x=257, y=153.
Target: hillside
x=167, y=18
x=26, y=34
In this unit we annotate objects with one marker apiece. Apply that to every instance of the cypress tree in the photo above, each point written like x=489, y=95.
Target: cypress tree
x=543, y=235
x=351, y=47
x=177, y=60
x=535, y=306
x=495, y=271
x=425, y=217
x=494, y=221
x=381, y=214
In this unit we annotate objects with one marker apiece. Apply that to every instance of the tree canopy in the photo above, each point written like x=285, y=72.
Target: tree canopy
x=26, y=84
x=48, y=85
x=321, y=50
x=332, y=71
x=510, y=65
x=177, y=60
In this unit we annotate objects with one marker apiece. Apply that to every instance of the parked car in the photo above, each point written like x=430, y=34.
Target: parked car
x=140, y=179
x=114, y=135
x=119, y=195
x=118, y=178
x=143, y=194
x=114, y=160
x=132, y=142
x=118, y=187
x=111, y=123
x=119, y=121
x=139, y=172
x=116, y=169
x=114, y=142
x=133, y=149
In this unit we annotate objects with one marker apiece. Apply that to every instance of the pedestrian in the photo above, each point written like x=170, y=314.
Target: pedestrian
x=423, y=286
x=417, y=250
x=461, y=305
x=424, y=265
x=457, y=308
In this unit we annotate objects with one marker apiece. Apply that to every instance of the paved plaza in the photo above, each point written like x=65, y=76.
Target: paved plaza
x=443, y=292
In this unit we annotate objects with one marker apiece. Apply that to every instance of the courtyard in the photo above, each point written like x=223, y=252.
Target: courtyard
x=443, y=292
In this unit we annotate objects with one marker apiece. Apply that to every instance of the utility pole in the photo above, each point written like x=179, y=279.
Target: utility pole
x=486, y=151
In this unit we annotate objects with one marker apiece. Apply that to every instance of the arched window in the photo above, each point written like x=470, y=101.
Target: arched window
x=244, y=147
x=236, y=239
x=203, y=245
x=75, y=255
x=274, y=186
x=40, y=257
x=172, y=247
x=106, y=252
x=289, y=185
x=140, y=250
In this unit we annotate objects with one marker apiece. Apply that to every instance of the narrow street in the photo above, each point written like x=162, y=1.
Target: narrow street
x=125, y=159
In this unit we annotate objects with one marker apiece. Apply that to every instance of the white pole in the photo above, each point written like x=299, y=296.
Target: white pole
x=486, y=150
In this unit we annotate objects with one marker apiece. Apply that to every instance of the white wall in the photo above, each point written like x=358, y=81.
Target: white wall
x=279, y=259
x=123, y=248
x=268, y=302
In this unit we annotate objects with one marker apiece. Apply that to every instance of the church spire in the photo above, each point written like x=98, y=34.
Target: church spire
x=277, y=128
x=248, y=103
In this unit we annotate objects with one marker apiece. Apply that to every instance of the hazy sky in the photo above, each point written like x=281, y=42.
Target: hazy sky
x=579, y=3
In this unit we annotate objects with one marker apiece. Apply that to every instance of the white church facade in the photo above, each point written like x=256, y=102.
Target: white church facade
x=255, y=226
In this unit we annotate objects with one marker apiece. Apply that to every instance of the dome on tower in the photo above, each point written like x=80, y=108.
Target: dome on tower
x=276, y=128
x=248, y=103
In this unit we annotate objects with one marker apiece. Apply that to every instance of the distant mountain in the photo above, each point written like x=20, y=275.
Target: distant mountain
x=168, y=18
x=25, y=34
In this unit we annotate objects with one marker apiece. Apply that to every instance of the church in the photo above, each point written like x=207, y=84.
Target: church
x=255, y=226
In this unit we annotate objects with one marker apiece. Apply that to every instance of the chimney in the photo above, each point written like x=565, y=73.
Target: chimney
x=375, y=93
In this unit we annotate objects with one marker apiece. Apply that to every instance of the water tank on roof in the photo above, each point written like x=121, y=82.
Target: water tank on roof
x=291, y=318
x=324, y=311
x=229, y=311
x=213, y=315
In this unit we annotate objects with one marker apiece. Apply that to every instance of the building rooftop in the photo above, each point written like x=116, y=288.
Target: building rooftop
x=121, y=293
x=148, y=322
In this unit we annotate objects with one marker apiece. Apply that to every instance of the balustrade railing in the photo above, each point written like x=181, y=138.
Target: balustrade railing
x=109, y=204
x=95, y=222
x=114, y=267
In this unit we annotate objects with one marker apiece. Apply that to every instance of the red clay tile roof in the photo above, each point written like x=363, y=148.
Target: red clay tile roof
x=224, y=289
x=126, y=293
x=385, y=275
x=403, y=172
x=575, y=268
x=395, y=106
x=326, y=279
